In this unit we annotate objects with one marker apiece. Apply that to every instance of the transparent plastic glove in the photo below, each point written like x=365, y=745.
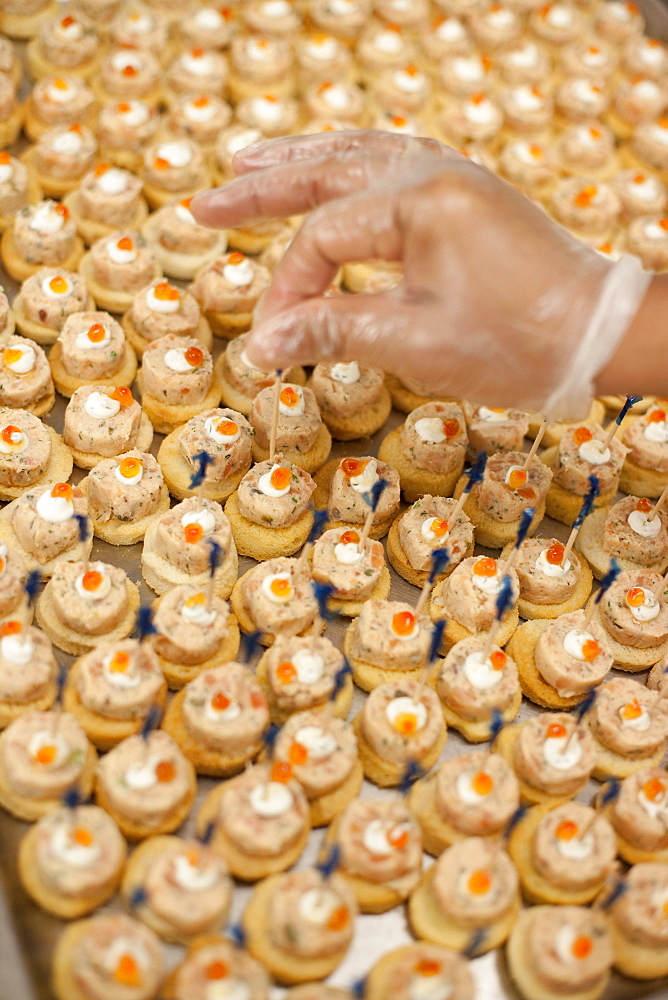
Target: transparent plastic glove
x=498, y=304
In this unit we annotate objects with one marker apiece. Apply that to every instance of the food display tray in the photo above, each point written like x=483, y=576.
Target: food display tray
x=28, y=935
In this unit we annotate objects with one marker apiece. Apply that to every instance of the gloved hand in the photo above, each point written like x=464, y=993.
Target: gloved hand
x=498, y=304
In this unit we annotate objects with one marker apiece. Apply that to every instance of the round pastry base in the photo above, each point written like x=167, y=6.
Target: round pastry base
x=247, y=624
x=229, y=325
x=35, y=127
x=134, y=830
x=166, y=417
x=352, y=608
x=34, y=195
x=261, y=542
x=236, y=400
x=182, y=266
x=489, y=532
x=480, y=731
x=161, y=575
x=339, y=708
x=397, y=558
x=405, y=399
x=362, y=424
x=610, y=764
x=383, y=772
x=51, y=187
x=110, y=299
x=372, y=897
x=249, y=241
x=415, y=482
x=41, y=334
x=55, y=903
x=23, y=26
x=58, y=470
x=158, y=197
x=523, y=975
x=178, y=473
x=178, y=675
x=20, y=269
x=635, y=960
x=557, y=428
x=455, y=631
x=310, y=461
x=285, y=968
x=144, y=857
x=91, y=230
x=44, y=405
x=368, y=676
x=530, y=610
x=522, y=648
x=11, y=710
x=642, y=482
x=437, y=833
x=589, y=543
x=562, y=505
x=202, y=334
x=152, y=97
x=627, y=852
x=241, y=87
x=613, y=404
x=103, y=731
x=89, y=459
x=78, y=552
x=118, y=532
x=535, y=887
x=529, y=794
x=429, y=923
x=244, y=866
x=78, y=643
x=214, y=763
x=128, y=159
x=67, y=384
x=40, y=67
x=30, y=810
x=629, y=658
x=324, y=808
x=11, y=127
x=323, y=481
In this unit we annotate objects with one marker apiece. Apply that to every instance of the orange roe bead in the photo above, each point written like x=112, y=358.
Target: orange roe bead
x=193, y=533
x=644, y=505
x=536, y=151
x=664, y=222
x=427, y=967
x=236, y=258
x=439, y=527
x=127, y=971
x=582, y=946
x=68, y=21
x=123, y=107
x=197, y=53
x=498, y=659
x=220, y=702
x=216, y=970
x=227, y=428
x=406, y=723
x=286, y=672
x=350, y=537
x=58, y=285
x=196, y=600
x=186, y=202
x=62, y=490
x=555, y=554
x=194, y=356
x=46, y=755
x=585, y=196
x=129, y=467
x=125, y=243
x=398, y=121
x=101, y=168
x=258, y=699
x=412, y=70
x=324, y=86
x=298, y=754
x=282, y=587
x=477, y=98
x=129, y=70
x=517, y=479
x=165, y=771
x=451, y=427
x=582, y=434
x=403, y=623
x=281, y=772
x=288, y=396
x=566, y=830
x=656, y=417
x=351, y=467
x=119, y=662
x=10, y=628
x=590, y=650
x=8, y=433
x=82, y=836
x=122, y=395
x=339, y=919
x=555, y=731
x=96, y=333
x=5, y=157
x=398, y=838
x=635, y=597
x=654, y=789
x=482, y=784
x=60, y=84
x=632, y=710
x=479, y=883
x=485, y=566
x=280, y=478
x=639, y=179
x=92, y=580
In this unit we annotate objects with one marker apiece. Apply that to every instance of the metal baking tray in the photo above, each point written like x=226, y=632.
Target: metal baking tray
x=27, y=935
